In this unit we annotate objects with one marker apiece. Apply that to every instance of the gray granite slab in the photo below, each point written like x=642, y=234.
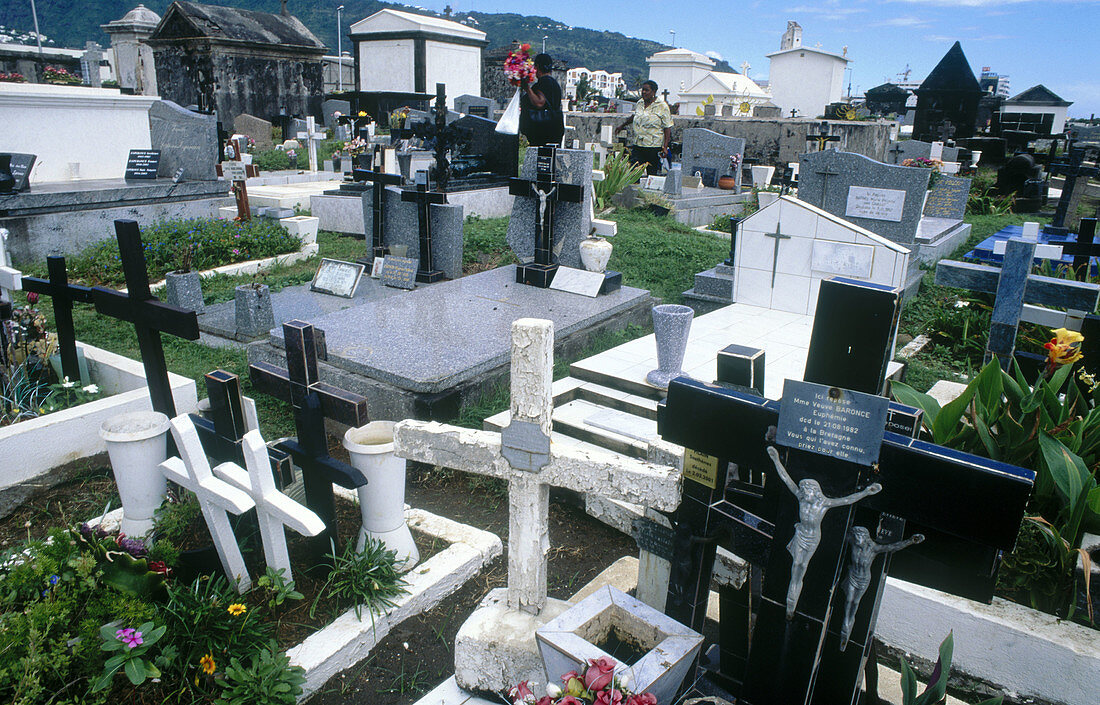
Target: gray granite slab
x=827, y=179
x=572, y=221
x=401, y=226
x=256, y=128
x=105, y=193
x=464, y=101
x=947, y=197
x=331, y=106
x=185, y=139
x=709, y=153
x=437, y=337
x=915, y=149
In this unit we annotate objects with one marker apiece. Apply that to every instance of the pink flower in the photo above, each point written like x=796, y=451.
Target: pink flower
x=545, y=700
x=569, y=676
x=570, y=700
x=129, y=637
x=609, y=697
x=642, y=699
x=599, y=673
x=521, y=693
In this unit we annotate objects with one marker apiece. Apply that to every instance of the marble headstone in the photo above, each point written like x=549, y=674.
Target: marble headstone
x=914, y=149
x=484, y=107
x=185, y=139
x=572, y=221
x=401, y=227
x=885, y=199
x=947, y=197
x=256, y=128
x=709, y=153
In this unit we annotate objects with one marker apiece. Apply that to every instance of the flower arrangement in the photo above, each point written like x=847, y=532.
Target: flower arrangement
x=12, y=77
x=56, y=74
x=519, y=67
x=397, y=118
x=735, y=163
x=355, y=146
x=597, y=686
x=935, y=165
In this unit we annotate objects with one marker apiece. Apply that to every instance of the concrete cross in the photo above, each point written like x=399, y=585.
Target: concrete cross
x=745, y=66
x=274, y=510
x=11, y=279
x=313, y=138
x=523, y=455
x=217, y=498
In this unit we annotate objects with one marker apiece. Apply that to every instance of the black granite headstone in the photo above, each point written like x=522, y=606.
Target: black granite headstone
x=18, y=167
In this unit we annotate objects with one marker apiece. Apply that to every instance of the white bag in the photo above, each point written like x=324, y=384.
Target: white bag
x=509, y=121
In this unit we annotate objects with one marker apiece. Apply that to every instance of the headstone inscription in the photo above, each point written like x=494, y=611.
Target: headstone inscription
x=142, y=164
x=422, y=196
x=186, y=140
x=149, y=316
x=710, y=153
x=399, y=272
x=947, y=197
x=18, y=167
x=547, y=191
x=337, y=277
x=63, y=294
x=313, y=401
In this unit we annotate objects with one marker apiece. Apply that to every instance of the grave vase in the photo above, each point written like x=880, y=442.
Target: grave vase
x=382, y=500
x=184, y=289
x=137, y=444
x=671, y=324
x=595, y=252
x=254, y=315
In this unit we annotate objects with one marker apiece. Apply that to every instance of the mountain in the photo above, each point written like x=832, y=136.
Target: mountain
x=69, y=23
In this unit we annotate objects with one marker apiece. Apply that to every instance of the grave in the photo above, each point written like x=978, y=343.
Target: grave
x=571, y=219
x=256, y=128
x=476, y=105
x=915, y=149
x=708, y=153
x=186, y=140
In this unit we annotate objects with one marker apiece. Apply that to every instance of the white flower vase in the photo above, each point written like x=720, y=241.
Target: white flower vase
x=595, y=253
x=137, y=444
x=382, y=500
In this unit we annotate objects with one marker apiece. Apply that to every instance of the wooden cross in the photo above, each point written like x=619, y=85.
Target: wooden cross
x=313, y=138
x=547, y=192
x=895, y=150
x=149, y=316
x=777, y=236
x=1082, y=250
x=423, y=196
x=825, y=173
x=313, y=401
x=523, y=455
x=823, y=137
x=274, y=510
x=1015, y=286
x=63, y=294
x=238, y=176
x=191, y=470
x=1072, y=169
x=374, y=203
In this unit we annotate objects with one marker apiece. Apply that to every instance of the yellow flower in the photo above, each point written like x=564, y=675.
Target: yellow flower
x=362, y=113
x=236, y=609
x=206, y=663
x=1065, y=347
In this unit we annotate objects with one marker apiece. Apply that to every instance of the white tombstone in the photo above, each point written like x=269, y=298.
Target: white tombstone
x=1030, y=231
x=936, y=151
x=216, y=497
x=762, y=176
x=274, y=510
x=495, y=648
x=313, y=138
x=607, y=134
x=11, y=279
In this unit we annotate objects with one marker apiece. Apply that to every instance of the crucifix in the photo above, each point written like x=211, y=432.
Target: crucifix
x=894, y=151
x=313, y=401
x=1073, y=169
x=825, y=173
x=546, y=191
x=1082, y=250
x=777, y=236
x=234, y=169
x=149, y=316
x=442, y=168
x=313, y=137
x=423, y=197
x=823, y=137
x=63, y=294
x=373, y=203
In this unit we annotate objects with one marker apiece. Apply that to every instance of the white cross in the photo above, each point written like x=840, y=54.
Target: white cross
x=314, y=138
x=216, y=497
x=524, y=455
x=745, y=66
x=274, y=510
x=11, y=279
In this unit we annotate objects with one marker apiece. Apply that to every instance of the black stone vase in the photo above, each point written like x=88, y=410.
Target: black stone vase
x=7, y=181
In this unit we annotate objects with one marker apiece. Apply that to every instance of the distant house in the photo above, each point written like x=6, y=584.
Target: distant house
x=229, y=61
x=677, y=70
x=805, y=79
x=599, y=81
x=886, y=99
x=1037, y=105
x=727, y=89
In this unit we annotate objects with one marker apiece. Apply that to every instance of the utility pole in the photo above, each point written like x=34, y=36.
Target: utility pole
x=339, y=49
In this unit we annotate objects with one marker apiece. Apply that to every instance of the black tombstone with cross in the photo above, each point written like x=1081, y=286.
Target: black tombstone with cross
x=1072, y=168
x=1083, y=249
x=313, y=401
x=423, y=196
x=63, y=295
x=547, y=191
x=378, y=179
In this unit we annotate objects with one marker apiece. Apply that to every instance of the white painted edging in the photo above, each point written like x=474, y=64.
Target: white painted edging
x=33, y=447
x=348, y=640
x=1011, y=646
x=254, y=265
x=717, y=233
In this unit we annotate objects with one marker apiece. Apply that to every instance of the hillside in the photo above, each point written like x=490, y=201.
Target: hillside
x=70, y=24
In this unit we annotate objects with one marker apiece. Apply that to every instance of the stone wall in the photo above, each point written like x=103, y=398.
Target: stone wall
x=767, y=141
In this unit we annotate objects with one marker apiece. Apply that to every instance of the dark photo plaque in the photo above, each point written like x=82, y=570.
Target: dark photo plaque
x=479, y=110
x=337, y=277
x=20, y=169
x=142, y=164
x=399, y=272
x=831, y=421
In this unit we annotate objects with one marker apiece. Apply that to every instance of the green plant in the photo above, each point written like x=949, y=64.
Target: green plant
x=936, y=690
x=618, y=174
x=278, y=588
x=132, y=645
x=369, y=577
x=268, y=679
x=982, y=200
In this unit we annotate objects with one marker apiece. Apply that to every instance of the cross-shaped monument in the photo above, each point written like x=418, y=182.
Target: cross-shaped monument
x=1083, y=250
x=825, y=173
x=313, y=401
x=423, y=197
x=149, y=316
x=547, y=191
x=11, y=279
x=524, y=455
x=236, y=172
x=442, y=168
x=63, y=294
x=313, y=138
x=373, y=203
x=823, y=137
x=777, y=236
x=894, y=151
x=1072, y=169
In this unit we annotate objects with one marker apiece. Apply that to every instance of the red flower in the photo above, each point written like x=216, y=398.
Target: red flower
x=599, y=673
x=609, y=697
x=521, y=692
x=570, y=700
x=642, y=699
x=32, y=297
x=158, y=567
x=572, y=674
x=545, y=700
x=525, y=47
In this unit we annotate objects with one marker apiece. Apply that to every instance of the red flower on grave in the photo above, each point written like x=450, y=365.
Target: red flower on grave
x=599, y=673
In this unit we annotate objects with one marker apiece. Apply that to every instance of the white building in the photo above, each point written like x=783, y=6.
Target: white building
x=606, y=84
x=803, y=78
x=732, y=89
x=1039, y=100
x=677, y=70
x=408, y=53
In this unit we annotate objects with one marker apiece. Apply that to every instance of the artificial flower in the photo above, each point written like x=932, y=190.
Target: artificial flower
x=91, y=389
x=599, y=673
x=236, y=609
x=206, y=663
x=553, y=691
x=574, y=686
x=521, y=693
x=67, y=384
x=609, y=697
x=642, y=699
x=1064, y=348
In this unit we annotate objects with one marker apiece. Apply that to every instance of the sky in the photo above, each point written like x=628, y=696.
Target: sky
x=1053, y=42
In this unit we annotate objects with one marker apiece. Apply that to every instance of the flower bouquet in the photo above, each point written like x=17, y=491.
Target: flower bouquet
x=922, y=163
x=518, y=67
x=355, y=146
x=597, y=686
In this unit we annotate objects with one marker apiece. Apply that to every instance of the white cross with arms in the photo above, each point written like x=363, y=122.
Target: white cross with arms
x=313, y=138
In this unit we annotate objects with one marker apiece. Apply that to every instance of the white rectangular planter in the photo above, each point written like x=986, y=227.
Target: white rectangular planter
x=31, y=448
x=304, y=226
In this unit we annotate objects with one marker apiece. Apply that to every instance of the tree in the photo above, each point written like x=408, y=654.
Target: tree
x=584, y=87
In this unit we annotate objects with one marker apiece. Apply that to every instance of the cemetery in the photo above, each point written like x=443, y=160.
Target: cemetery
x=348, y=392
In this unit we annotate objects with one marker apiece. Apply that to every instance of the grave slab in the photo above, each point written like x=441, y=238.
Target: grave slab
x=708, y=153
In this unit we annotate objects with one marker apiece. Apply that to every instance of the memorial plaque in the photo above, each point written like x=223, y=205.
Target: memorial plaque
x=577, y=281
x=947, y=199
x=875, y=203
x=479, y=110
x=653, y=537
x=376, y=267
x=400, y=272
x=20, y=169
x=843, y=258
x=234, y=171
x=831, y=421
x=337, y=277
x=701, y=468
x=142, y=164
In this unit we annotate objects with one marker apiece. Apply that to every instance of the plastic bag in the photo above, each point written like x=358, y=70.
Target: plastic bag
x=509, y=121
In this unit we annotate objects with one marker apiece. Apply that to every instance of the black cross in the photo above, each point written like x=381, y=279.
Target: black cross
x=149, y=316
x=1082, y=250
x=313, y=401
x=825, y=174
x=777, y=236
x=735, y=223
x=422, y=196
x=823, y=137
x=546, y=192
x=1072, y=169
x=664, y=95
x=794, y=112
x=379, y=180
x=63, y=294
x=895, y=150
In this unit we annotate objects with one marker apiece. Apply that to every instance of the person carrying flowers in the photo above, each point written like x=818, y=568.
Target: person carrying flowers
x=541, y=119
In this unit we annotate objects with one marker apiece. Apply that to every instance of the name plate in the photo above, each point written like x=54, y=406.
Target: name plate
x=234, y=171
x=653, y=537
x=399, y=272
x=142, y=164
x=831, y=421
x=337, y=277
x=875, y=203
x=701, y=468
x=577, y=281
x=20, y=169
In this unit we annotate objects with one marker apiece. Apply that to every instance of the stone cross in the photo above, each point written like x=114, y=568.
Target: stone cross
x=777, y=236
x=524, y=455
x=313, y=137
x=274, y=510
x=745, y=66
x=191, y=470
x=894, y=151
x=825, y=173
x=1073, y=169
x=374, y=201
x=63, y=294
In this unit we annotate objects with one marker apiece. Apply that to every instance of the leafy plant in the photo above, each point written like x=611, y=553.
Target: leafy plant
x=268, y=679
x=369, y=577
x=618, y=174
x=936, y=690
x=278, y=587
x=132, y=645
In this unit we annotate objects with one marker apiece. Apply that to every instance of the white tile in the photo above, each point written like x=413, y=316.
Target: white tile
x=795, y=256
x=829, y=230
x=763, y=220
x=754, y=287
x=792, y=293
x=884, y=267
x=756, y=250
x=797, y=221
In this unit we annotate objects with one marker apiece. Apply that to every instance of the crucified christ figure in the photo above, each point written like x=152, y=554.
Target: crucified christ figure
x=864, y=551
x=812, y=505
x=542, y=196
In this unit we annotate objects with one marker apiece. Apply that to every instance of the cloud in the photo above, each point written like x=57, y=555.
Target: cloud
x=902, y=22
x=951, y=39
x=714, y=55
x=964, y=3
x=829, y=13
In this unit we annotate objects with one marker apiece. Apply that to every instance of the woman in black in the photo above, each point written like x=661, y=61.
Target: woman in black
x=540, y=116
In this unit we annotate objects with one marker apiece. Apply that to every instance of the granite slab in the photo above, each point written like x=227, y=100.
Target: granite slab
x=709, y=152
x=947, y=198
x=401, y=226
x=105, y=193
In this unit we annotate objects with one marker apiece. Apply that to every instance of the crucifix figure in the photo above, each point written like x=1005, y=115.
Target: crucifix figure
x=548, y=191
x=894, y=151
x=423, y=197
x=864, y=551
x=313, y=137
x=149, y=316
x=812, y=505
x=777, y=236
x=63, y=294
x=313, y=401
x=373, y=204
x=823, y=137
